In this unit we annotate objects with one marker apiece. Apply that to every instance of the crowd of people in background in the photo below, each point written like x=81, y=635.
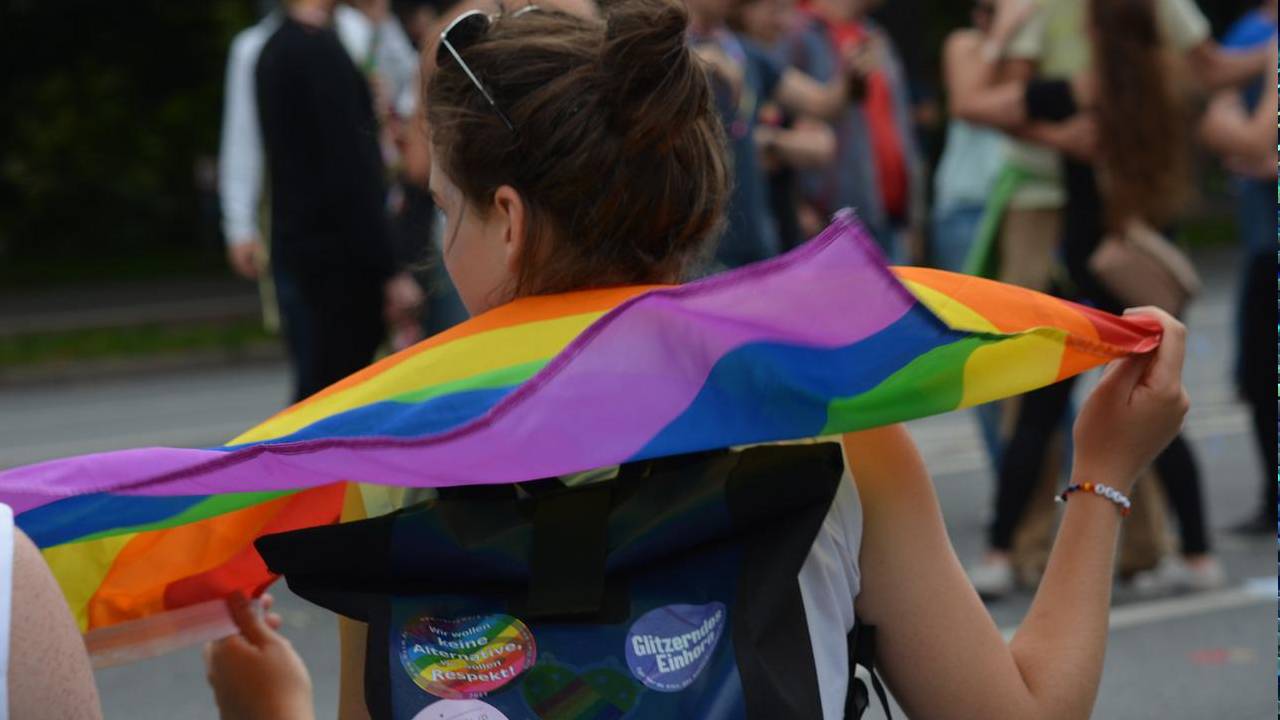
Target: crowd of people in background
x=1074, y=128
x=1070, y=121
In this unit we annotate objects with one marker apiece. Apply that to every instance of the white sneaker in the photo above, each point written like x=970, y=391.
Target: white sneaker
x=1173, y=574
x=993, y=579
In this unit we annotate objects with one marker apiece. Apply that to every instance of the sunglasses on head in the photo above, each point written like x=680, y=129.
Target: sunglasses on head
x=461, y=34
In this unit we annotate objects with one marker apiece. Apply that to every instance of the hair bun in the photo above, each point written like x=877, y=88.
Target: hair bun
x=656, y=85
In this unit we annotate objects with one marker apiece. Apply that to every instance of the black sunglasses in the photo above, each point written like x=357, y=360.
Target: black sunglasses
x=461, y=34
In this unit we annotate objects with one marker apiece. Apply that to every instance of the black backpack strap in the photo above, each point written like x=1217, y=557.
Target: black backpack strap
x=862, y=651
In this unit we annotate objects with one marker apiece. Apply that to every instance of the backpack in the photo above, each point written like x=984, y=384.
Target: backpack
x=659, y=594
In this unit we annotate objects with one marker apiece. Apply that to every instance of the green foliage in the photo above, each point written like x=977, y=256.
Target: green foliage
x=229, y=338
x=111, y=107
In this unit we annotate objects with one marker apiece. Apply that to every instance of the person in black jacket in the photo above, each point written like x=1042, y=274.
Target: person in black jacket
x=334, y=261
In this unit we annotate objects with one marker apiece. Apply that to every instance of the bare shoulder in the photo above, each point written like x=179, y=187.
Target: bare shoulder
x=886, y=466
x=49, y=672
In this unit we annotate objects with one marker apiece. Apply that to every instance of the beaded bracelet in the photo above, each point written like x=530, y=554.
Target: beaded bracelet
x=1103, y=491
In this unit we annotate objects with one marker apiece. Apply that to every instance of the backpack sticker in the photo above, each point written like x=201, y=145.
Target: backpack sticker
x=560, y=692
x=669, y=646
x=466, y=658
x=460, y=710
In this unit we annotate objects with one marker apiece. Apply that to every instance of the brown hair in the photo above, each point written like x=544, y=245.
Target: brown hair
x=1142, y=143
x=618, y=153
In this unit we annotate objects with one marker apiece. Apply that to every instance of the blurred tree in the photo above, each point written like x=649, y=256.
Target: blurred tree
x=107, y=108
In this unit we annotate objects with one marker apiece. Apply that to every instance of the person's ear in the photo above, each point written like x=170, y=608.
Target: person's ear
x=512, y=210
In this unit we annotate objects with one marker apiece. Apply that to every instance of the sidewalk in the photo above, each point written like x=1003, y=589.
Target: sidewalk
x=116, y=305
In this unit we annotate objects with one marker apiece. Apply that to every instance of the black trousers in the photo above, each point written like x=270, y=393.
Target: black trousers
x=1039, y=415
x=333, y=323
x=1257, y=374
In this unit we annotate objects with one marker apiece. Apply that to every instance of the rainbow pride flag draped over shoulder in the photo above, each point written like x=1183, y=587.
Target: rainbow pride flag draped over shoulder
x=826, y=339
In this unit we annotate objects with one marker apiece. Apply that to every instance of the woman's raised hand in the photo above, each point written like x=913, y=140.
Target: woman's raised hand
x=1136, y=410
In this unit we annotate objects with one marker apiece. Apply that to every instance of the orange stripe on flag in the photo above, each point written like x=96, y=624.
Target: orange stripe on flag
x=136, y=583
x=245, y=571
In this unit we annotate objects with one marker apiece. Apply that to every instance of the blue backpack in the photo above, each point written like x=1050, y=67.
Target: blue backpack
x=668, y=592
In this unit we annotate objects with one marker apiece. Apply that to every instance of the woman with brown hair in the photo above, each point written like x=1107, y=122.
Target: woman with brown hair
x=573, y=153
x=1130, y=166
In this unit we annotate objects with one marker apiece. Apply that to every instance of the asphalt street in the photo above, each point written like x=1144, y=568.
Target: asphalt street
x=1182, y=658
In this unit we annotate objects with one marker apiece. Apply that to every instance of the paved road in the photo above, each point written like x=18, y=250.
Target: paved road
x=1179, y=658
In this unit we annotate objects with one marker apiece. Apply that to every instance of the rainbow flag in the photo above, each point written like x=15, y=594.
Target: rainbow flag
x=824, y=340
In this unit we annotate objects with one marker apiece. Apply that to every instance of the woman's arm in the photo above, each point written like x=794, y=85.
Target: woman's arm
x=352, y=637
x=940, y=651
x=807, y=144
x=977, y=89
x=1246, y=140
x=49, y=672
x=803, y=95
x=1218, y=68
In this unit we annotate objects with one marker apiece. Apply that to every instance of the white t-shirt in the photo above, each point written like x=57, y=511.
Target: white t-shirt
x=829, y=582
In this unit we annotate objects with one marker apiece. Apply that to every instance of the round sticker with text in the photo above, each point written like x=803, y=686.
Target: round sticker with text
x=668, y=647
x=464, y=658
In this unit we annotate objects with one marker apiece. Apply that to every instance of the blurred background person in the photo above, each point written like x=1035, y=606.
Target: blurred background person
x=744, y=77
x=417, y=222
x=785, y=143
x=1240, y=127
x=878, y=171
x=240, y=162
x=1130, y=94
x=971, y=160
x=972, y=155
x=1024, y=214
x=332, y=256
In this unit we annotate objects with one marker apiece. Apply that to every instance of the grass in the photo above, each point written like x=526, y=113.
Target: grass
x=131, y=342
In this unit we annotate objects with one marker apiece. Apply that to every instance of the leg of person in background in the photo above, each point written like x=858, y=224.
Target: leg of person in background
x=333, y=324
x=1257, y=378
x=954, y=232
x=1039, y=417
x=1028, y=241
x=350, y=324
x=298, y=325
x=1197, y=569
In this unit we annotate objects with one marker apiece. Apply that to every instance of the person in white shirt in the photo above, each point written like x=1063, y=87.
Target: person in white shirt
x=374, y=39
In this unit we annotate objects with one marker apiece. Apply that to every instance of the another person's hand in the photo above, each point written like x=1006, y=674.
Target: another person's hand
x=1136, y=410
x=722, y=66
x=1225, y=113
x=1077, y=137
x=246, y=257
x=402, y=299
x=858, y=61
x=257, y=675
x=380, y=89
